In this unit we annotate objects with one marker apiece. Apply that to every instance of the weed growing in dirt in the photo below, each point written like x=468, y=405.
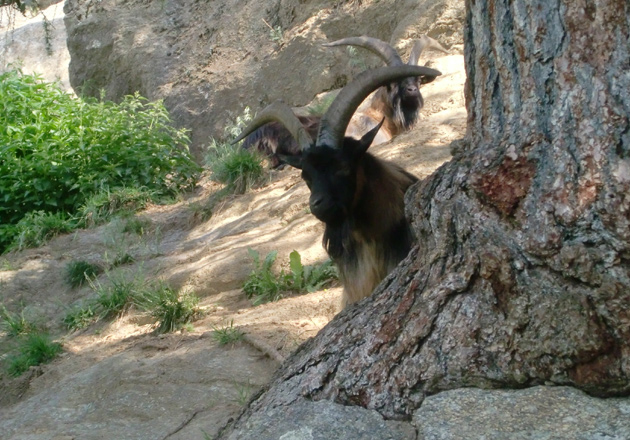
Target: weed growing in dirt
x=33, y=349
x=78, y=272
x=7, y=265
x=227, y=335
x=102, y=206
x=15, y=324
x=38, y=227
x=137, y=225
x=235, y=167
x=263, y=285
x=243, y=393
x=80, y=317
x=171, y=309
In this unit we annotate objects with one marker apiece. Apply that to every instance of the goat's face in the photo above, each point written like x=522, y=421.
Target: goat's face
x=331, y=175
x=406, y=99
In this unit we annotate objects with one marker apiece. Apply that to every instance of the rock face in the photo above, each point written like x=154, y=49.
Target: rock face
x=210, y=60
x=534, y=413
x=34, y=44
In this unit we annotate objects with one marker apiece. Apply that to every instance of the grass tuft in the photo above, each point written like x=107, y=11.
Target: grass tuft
x=80, y=271
x=171, y=310
x=34, y=349
x=15, y=324
x=227, y=335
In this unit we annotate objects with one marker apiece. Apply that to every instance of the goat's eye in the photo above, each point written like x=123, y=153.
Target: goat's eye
x=343, y=173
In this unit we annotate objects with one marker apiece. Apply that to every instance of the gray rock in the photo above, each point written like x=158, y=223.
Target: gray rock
x=541, y=413
x=323, y=420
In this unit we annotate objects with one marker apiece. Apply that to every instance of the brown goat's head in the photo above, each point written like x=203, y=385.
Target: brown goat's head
x=399, y=100
x=329, y=165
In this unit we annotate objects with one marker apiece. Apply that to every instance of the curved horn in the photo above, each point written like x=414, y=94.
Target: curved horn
x=379, y=47
x=335, y=121
x=280, y=112
x=421, y=43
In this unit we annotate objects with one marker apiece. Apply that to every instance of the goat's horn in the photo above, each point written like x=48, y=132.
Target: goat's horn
x=335, y=120
x=379, y=47
x=279, y=112
x=422, y=43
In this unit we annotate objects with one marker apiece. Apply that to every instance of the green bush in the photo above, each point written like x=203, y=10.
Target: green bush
x=56, y=151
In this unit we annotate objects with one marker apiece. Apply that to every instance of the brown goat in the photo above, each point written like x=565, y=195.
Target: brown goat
x=399, y=102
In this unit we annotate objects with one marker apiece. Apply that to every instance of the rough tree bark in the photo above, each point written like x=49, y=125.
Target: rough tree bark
x=521, y=274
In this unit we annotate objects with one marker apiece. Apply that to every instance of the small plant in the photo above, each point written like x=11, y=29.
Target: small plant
x=239, y=169
x=319, y=106
x=38, y=227
x=80, y=271
x=137, y=225
x=263, y=285
x=34, y=349
x=7, y=265
x=227, y=335
x=243, y=393
x=200, y=212
x=115, y=298
x=276, y=34
x=171, y=309
x=104, y=205
x=15, y=324
x=80, y=317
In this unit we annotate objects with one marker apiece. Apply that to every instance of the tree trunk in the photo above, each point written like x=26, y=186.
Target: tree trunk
x=521, y=272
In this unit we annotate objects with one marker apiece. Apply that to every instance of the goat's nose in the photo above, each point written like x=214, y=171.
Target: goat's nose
x=412, y=89
x=316, y=201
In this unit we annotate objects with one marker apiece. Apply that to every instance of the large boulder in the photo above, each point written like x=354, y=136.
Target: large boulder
x=210, y=60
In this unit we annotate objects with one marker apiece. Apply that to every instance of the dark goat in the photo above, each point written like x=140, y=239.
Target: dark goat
x=398, y=102
x=358, y=196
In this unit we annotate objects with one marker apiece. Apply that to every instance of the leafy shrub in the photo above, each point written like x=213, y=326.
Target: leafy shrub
x=56, y=151
x=263, y=285
x=34, y=349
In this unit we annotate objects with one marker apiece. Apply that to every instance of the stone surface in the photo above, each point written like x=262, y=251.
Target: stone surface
x=541, y=413
x=307, y=420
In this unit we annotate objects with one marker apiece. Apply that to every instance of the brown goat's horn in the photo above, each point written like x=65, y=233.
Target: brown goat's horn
x=422, y=43
x=335, y=120
x=379, y=47
x=279, y=112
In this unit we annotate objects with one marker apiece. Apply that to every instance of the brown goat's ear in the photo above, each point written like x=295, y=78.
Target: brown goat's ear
x=367, y=138
x=294, y=161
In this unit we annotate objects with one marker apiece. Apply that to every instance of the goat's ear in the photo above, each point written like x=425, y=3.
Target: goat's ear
x=294, y=161
x=367, y=138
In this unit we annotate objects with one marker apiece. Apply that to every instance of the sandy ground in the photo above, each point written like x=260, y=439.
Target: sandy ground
x=118, y=379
